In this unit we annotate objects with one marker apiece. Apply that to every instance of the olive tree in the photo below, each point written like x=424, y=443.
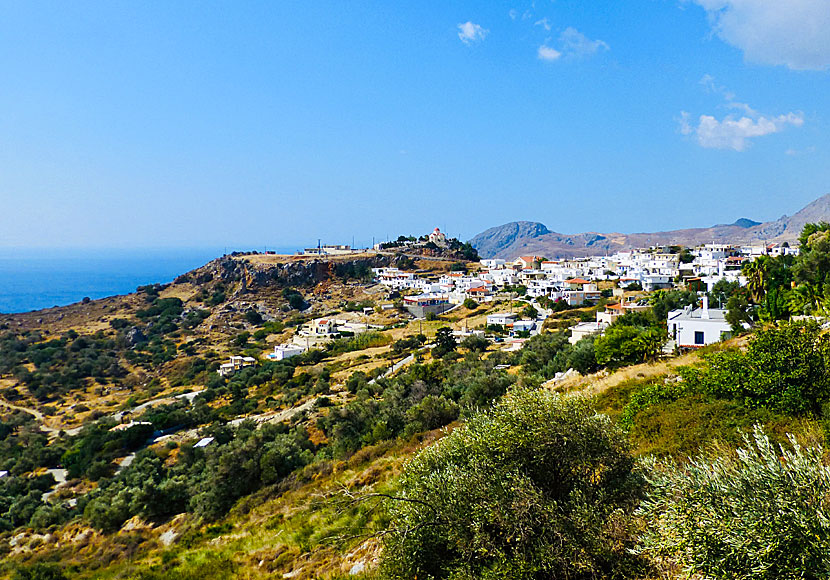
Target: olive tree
x=538, y=486
x=762, y=512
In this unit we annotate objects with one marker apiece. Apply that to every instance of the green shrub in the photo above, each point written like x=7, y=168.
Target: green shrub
x=761, y=513
x=785, y=367
x=628, y=344
x=39, y=571
x=538, y=487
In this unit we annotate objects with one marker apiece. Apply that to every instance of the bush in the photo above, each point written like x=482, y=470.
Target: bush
x=253, y=317
x=785, y=367
x=294, y=298
x=530, y=312
x=538, y=487
x=628, y=344
x=747, y=515
x=475, y=343
x=39, y=571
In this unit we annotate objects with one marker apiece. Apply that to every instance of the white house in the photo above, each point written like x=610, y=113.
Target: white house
x=493, y=263
x=521, y=326
x=394, y=278
x=653, y=282
x=501, y=318
x=699, y=327
x=204, y=442
x=284, y=351
x=527, y=262
x=584, y=329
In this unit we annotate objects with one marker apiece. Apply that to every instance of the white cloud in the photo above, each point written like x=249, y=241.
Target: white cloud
x=793, y=33
x=743, y=107
x=707, y=81
x=574, y=43
x=794, y=152
x=733, y=133
x=513, y=14
x=469, y=32
x=544, y=23
x=548, y=53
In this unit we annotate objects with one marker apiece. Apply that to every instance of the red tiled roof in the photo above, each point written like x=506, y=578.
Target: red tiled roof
x=577, y=281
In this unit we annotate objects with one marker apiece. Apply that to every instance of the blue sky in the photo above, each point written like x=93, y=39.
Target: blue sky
x=245, y=124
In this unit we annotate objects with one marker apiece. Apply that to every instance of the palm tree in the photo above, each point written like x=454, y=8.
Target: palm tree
x=757, y=279
x=803, y=299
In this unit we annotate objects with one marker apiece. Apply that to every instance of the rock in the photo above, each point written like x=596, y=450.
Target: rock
x=135, y=337
x=168, y=537
x=357, y=568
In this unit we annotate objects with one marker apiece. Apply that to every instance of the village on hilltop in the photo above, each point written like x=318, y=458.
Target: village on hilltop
x=544, y=287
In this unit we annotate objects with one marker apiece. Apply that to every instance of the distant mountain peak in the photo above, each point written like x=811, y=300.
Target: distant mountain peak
x=495, y=240
x=533, y=238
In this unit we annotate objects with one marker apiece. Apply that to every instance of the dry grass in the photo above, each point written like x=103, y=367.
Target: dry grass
x=600, y=382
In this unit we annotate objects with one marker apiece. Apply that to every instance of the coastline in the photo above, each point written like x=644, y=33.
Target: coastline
x=37, y=278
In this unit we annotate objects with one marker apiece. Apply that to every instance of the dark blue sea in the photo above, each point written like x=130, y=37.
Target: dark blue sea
x=33, y=279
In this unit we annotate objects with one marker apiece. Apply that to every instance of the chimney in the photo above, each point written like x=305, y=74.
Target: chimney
x=705, y=313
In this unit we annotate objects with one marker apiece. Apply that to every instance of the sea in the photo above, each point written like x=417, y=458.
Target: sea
x=32, y=279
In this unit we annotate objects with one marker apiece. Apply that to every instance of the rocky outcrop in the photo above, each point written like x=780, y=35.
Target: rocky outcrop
x=134, y=337
x=294, y=274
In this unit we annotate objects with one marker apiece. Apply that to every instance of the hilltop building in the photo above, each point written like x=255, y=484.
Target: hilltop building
x=438, y=238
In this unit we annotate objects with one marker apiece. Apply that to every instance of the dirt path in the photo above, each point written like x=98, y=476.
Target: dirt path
x=36, y=414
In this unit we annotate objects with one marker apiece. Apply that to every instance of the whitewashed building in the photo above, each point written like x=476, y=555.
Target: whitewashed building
x=693, y=328
x=502, y=318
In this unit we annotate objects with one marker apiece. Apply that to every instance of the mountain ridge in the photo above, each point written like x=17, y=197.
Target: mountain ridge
x=527, y=237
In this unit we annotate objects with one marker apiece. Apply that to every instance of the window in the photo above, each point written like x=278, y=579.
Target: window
x=699, y=337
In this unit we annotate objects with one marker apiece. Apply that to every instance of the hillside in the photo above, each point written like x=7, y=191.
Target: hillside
x=533, y=238
x=84, y=387
x=128, y=456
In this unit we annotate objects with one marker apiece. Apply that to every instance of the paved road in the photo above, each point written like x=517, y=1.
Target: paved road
x=189, y=396
x=398, y=365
